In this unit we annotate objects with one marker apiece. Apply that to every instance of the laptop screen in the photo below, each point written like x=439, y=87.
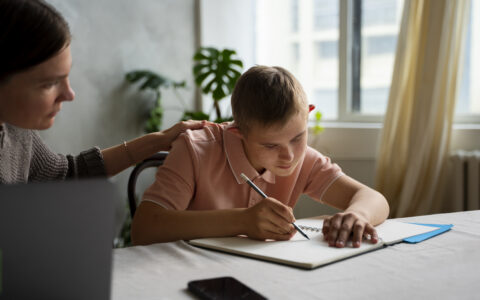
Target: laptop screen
x=56, y=240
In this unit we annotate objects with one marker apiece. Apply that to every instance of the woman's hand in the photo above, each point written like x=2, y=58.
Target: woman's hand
x=170, y=134
x=338, y=229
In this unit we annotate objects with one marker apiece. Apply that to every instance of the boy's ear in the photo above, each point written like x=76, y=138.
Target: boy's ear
x=235, y=131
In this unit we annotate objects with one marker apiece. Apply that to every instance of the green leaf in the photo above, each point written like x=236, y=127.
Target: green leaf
x=195, y=115
x=222, y=120
x=152, y=80
x=199, y=56
x=218, y=93
x=225, y=70
x=201, y=77
x=155, y=82
x=237, y=62
x=198, y=67
x=317, y=128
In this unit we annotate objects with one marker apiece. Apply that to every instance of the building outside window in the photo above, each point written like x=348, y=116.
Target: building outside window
x=343, y=53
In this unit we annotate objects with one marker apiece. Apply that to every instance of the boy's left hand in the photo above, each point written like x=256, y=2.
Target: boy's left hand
x=338, y=228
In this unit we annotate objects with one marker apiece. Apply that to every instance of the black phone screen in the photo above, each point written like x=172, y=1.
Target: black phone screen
x=222, y=288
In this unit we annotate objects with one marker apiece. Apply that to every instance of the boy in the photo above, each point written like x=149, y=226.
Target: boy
x=199, y=192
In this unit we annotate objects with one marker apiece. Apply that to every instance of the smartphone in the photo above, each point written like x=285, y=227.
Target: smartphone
x=222, y=288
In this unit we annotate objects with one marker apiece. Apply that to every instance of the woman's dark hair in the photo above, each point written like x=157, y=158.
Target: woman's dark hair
x=31, y=32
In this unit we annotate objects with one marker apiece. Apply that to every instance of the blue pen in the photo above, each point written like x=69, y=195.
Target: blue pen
x=258, y=190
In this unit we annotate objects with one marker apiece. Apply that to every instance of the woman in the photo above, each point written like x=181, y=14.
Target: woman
x=35, y=64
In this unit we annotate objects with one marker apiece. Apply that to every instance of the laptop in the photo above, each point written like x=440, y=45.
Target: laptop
x=56, y=240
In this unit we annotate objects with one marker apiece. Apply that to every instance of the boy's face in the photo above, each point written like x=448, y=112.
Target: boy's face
x=277, y=148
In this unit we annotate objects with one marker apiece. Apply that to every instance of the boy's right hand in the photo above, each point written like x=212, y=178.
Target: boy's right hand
x=270, y=219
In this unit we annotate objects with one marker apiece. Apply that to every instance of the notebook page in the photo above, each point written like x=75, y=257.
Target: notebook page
x=307, y=253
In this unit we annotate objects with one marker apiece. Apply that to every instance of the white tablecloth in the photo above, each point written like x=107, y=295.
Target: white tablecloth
x=444, y=267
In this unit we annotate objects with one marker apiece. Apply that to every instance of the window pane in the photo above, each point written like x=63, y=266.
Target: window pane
x=302, y=36
x=382, y=44
x=325, y=14
x=294, y=15
x=323, y=90
x=379, y=12
x=327, y=101
x=380, y=26
x=468, y=97
x=374, y=99
x=326, y=50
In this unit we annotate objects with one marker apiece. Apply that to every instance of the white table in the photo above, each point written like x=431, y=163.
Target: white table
x=444, y=267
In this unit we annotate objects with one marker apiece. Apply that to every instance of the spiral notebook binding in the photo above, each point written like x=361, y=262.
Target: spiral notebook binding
x=309, y=228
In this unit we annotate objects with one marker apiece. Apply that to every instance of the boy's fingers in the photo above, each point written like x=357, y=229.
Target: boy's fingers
x=279, y=225
x=345, y=231
x=335, y=223
x=281, y=209
x=325, y=228
x=372, y=232
x=280, y=237
x=358, y=230
x=273, y=222
x=268, y=230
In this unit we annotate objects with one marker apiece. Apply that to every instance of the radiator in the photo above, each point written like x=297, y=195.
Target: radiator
x=466, y=180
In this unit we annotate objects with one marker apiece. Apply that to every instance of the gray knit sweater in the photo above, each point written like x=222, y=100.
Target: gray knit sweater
x=25, y=158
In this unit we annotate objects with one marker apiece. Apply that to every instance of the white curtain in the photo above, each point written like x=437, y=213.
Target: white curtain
x=417, y=127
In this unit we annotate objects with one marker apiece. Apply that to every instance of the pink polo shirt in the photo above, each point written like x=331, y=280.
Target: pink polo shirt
x=202, y=172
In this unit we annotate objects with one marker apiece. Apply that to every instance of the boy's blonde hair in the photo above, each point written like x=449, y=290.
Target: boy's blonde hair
x=266, y=96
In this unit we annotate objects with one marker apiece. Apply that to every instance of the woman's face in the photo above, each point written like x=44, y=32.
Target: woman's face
x=32, y=98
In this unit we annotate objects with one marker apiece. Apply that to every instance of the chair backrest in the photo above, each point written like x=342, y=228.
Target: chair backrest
x=153, y=161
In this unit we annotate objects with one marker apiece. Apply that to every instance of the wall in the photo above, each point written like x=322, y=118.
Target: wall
x=110, y=38
x=228, y=24
x=353, y=148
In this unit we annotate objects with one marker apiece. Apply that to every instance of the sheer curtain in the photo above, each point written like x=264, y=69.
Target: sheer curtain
x=416, y=133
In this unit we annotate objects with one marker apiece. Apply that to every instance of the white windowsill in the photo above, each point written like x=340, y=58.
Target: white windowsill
x=359, y=140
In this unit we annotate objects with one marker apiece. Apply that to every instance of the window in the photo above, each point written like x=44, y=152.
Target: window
x=284, y=32
x=380, y=24
x=343, y=53
x=325, y=14
x=342, y=50
x=326, y=49
x=467, y=108
x=325, y=35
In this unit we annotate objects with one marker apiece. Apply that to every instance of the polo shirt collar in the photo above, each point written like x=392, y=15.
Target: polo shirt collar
x=238, y=161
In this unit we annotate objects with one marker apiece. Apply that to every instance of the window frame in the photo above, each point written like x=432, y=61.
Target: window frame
x=350, y=42
x=350, y=59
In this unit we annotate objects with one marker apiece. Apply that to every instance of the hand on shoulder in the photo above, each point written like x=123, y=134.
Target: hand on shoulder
x=173, y=132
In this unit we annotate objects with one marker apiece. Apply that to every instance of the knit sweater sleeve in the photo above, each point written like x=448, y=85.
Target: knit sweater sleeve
x=47, y=165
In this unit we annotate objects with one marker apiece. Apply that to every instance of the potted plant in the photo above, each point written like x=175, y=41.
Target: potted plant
x=215, y=72
x=154, y=82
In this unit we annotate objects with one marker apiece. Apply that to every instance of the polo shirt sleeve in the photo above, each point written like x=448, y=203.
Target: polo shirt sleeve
x=174, y=184
x=322, y=175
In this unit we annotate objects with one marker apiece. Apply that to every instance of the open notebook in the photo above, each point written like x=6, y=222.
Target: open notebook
x=313, y=253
